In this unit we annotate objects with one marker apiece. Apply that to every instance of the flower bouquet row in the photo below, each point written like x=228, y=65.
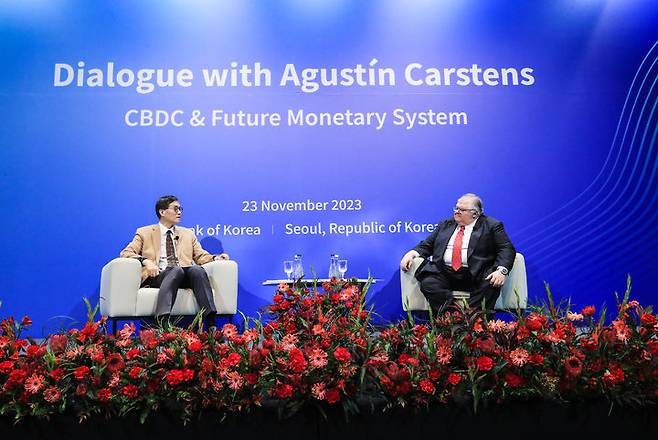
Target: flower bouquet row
x=317, y=347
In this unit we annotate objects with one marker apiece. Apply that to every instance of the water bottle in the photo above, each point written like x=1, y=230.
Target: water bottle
x=333, y=266
x=298, y=268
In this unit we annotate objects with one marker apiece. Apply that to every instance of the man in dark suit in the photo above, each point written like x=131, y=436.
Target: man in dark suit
x=167, y=253
x=470, y=252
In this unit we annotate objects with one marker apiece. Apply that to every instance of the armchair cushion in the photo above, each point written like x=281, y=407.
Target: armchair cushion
x=121, y=296
x=516, y=284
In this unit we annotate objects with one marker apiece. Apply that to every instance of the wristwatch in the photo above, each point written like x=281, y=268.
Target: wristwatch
x=503, y=270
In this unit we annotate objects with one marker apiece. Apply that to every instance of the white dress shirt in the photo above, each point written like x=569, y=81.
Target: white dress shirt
x=447, y=255
x=162, y=264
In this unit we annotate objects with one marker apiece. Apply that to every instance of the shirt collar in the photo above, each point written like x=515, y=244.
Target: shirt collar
x=470, y=226
x=163, y=229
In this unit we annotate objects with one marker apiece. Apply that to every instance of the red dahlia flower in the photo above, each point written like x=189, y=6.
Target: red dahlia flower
x=588, y=311
x=35, y=351
x=6, y=367
x=133, y=353
x=130, y=391
x=194, y=346
x=535, y=322
x=232, y=360
x=283, y=391
x=536, y=359
x=332, y=395
x=406, y=359
x=614, y=375
x=342, y=354
x=427, y=386
x=57, y=374
x=513, y=379
x=174, y=377
x=135, y=372
x=104, y=394
x=485, y=363
x=81, y=372
x=297, y=362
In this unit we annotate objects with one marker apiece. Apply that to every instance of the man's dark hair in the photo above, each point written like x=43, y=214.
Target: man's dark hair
x=163, y=203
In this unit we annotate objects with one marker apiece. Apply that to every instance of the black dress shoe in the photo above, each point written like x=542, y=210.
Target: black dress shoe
x=210, y=321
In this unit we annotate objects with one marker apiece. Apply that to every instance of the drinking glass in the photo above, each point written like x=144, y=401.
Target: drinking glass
x=287, y=268
x=297, y=267
x=342, y=268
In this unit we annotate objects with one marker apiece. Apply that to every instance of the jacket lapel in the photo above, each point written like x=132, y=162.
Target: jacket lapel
x=155, y=239
x=444, y=237
x=475, y=236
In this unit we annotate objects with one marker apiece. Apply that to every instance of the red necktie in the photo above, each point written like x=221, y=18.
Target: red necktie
x=457, y=249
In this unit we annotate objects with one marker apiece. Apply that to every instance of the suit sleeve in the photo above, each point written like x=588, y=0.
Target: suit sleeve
x=505, y=251
x=199, y=254
x=134, y=248
x=426, y=247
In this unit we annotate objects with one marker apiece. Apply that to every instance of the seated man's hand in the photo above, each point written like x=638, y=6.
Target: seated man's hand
x=221, y=257
x=406, y=261
x=496, y=278
x=152, y=269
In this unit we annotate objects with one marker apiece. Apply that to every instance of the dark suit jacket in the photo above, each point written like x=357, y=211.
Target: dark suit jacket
x=488, y=248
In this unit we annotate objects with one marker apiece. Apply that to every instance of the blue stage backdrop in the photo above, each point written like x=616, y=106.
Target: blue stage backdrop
x=324, y=126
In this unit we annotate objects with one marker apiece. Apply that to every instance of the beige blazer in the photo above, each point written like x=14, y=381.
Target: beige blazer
x=147, y=244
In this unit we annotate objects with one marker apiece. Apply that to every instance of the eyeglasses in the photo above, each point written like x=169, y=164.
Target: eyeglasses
x=176, y=209
x=462, y=211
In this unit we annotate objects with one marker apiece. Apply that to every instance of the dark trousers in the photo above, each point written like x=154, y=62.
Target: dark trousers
x=437, y=286
x=173, y=278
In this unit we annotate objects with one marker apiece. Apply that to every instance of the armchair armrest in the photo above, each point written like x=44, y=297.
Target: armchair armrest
x=412, y=297
x=223, y=276
x=514, y=293
x=120, y=280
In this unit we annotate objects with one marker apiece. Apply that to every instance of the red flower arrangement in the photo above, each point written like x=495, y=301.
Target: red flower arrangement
x=319, y=348
x=316, y=345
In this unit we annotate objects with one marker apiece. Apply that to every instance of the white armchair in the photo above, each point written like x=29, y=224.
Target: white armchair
x=513, y=295
x=122, y=298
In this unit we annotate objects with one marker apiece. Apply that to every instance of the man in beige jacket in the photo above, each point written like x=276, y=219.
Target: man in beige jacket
x=167, y=253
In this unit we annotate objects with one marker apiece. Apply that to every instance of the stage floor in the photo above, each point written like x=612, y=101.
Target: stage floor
x=527, y=420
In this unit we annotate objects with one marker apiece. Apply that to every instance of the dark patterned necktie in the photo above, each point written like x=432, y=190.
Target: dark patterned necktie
x=172, y=261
